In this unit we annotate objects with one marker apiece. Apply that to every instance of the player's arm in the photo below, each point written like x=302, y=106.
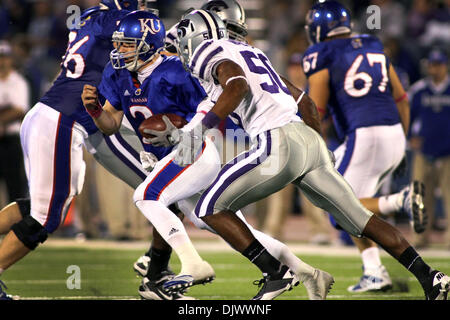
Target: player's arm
x=107, y=118
x=319, y=90
x=235, y=87
x=306, y=106
x=401, y=99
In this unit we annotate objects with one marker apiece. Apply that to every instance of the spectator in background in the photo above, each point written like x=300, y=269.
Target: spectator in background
x=437, y=28
x=28, y=67
x=14, y=103
x=430, y=136
x=48, y=37
x=14, y=17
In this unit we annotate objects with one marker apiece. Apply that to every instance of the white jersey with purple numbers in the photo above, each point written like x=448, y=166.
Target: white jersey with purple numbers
x=268, y=104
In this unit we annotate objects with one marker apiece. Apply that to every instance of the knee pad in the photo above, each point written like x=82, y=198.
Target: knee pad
x=30, y=232
x=24, y=206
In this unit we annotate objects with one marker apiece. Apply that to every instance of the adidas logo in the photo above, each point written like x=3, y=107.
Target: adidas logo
x=172, y=231
x=126, y=93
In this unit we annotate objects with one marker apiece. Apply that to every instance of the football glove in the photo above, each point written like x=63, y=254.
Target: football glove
x=166, y=138
x=148, y=160
x=189, y=145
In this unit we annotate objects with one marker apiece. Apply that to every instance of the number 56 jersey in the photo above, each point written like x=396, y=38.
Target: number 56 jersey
x=360, y=90
x=268, y=103
x=87, y=54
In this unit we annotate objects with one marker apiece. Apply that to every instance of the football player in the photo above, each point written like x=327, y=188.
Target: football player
x=159, y=84
x=285, y=150
x=370, y=111
x=54, y=131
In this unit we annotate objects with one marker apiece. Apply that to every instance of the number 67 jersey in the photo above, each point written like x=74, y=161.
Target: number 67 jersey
x=360, y=91
x=268, y=105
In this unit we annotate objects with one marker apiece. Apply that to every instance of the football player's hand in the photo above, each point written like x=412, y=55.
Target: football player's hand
x=89, y=96
x=189, y=146
x=148, y=160
x=166, y=138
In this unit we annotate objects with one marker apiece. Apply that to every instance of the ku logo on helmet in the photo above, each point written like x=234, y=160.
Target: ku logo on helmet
x=150, y=25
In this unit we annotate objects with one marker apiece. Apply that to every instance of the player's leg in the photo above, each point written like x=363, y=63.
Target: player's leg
x=54, y=167
x=326, y=188
x=167, y=184
x=119, y=154
x=13, y=213
x=316, y=281
x=264, y=169
x=365, y=160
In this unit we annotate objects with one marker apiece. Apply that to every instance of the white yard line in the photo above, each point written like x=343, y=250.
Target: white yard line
x=220, y=245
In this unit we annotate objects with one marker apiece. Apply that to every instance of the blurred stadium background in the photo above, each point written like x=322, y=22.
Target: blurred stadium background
x=37, y=32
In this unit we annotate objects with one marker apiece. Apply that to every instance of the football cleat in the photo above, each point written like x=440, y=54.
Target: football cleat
x=413, y=205
x=201, y=274
x=153, y=290
x=318, y=285
x=141, y=265
x=440, y=286
x=273, y=288
x=376, y=279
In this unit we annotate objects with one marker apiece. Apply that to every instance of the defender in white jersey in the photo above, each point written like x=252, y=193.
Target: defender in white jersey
x=285, y=150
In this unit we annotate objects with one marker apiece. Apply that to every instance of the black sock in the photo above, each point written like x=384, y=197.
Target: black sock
x=411, y=260
x=259, y=256
x=159, y=261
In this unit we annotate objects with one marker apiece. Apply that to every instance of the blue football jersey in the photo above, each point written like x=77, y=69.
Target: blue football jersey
x=430, y=116
x=360, y=90
x=83, y=63
x=168, y=89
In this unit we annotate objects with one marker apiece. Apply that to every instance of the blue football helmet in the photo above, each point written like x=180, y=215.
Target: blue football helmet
x=142, y=31
x=129, y=5
x=327, y=19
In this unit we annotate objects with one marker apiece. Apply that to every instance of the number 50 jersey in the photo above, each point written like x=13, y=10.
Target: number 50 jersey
x=83, y=63
x=269, y=103
x=360, y=91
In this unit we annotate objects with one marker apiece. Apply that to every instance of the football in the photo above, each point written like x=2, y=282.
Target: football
x=156, y=122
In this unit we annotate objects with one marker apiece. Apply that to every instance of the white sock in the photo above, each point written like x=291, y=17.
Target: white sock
x=371, y=258
x=390, y=203
x=280, y=251
x=171, y=228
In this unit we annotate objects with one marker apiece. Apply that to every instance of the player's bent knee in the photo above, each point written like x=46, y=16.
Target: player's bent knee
x=30, y=232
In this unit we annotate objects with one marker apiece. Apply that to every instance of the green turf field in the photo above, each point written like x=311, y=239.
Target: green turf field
x=108, y=274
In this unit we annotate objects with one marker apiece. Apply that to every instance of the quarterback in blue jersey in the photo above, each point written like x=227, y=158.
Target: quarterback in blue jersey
x=351, y=78
x=137, y=84
x=55, y=130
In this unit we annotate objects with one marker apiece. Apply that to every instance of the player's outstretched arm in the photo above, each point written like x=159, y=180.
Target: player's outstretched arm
x=106, y=118
x=306, y=106
x=401, y=99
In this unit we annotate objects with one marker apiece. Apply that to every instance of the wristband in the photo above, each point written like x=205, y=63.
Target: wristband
x=96, y=112
x=211, y=120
